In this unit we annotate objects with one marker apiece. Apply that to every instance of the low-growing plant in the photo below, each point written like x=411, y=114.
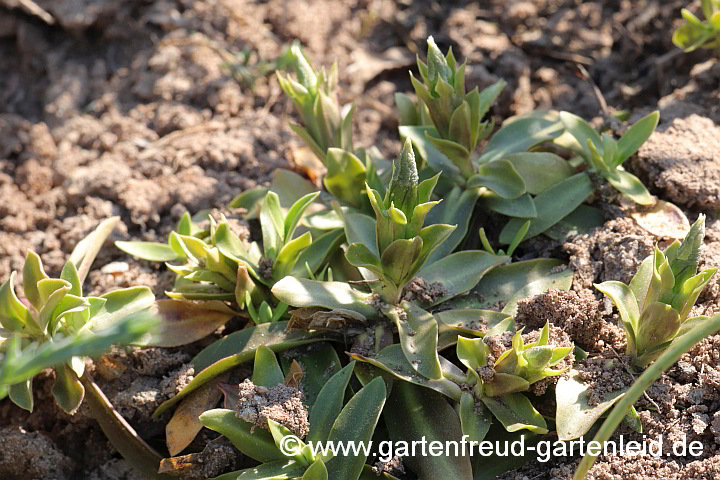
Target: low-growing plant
x=695, y=33
x=605, y=155
x=654, y=309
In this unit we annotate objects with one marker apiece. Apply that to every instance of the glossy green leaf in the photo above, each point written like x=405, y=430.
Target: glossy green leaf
x=152, y=251
x=522, y=206
x=583, y=132
x=540, y=170
x=300, y=292
x=289, y=254
x=318, y=253
x=356, y=422
x=316, y=471
x=33, y=272
x=413, y=413
x=267, y=371
x=475, y=418
x=636, y=135
x=67, y=390
x=499, y=176
x=418, y=338
x=630, y=185
x=328, y=405
x=392, y=360
x=256, y=443
x=575, y=416
x=296, y=212
x=473, y=322
x=515, y=412
x=626, y=304
x=346, y=177
x=21, y=394
x=522, y=132
x=460, y=272
x=427, y=150
x=121, y=303
x=552, y=206
x=503, y=283
x=14, y=315
x=658, y=323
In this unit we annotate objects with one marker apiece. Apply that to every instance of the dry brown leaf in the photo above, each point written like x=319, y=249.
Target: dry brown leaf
x=663, y=220
x=295, y=375
x=184, y=425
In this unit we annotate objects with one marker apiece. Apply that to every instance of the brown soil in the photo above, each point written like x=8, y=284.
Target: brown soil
x=130, y=108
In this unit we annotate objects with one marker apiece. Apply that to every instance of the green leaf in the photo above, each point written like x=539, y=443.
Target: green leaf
x=267, y=371
x=504, y=282
x=522, y=206
x=631, y=186
x=414, y=413
x=300, y=292
x=461, y=126
x=474, y=322
x=346, y=177
x=459, y=272
x=636, y=135
x=398, y=258
x=499, y=176
x=316, y=471
x=21, y=395
x=583, y=133
x=561, y=280
x=522, y=132
x=237, y=348
x=33, y=272
x=154, y=252
x=540, y=170
x=475, y=418
x=392, y=360
x=328, y=405
x=256, y=443
x=690, y=37
x=359, y=255
x=278, y=470
x=575, y=416
x=515, y=412
x=581, y=220
x=14, y=315
x=319, y=363
x=296, y=212
x=317, y=254
x=356, y=423
x=455, y=209
x=119, y=304
x=67, y=390
x=69, y=274
x=658, y=323
x=552, y=206
x=423, y=147
x=418, y=338
x=627, y=305
x=87, y=249
x=360, y=228
x=289, y=254
x=273, y=225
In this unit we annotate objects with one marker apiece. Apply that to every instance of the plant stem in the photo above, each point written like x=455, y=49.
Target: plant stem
x=655, y=371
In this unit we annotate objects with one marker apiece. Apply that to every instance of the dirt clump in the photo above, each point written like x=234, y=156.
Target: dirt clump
x=31, y=455
x=682, y=162
x=578, y=313
x=420, y=291
x=603, y=376
x=611, y=252
x=282, y=404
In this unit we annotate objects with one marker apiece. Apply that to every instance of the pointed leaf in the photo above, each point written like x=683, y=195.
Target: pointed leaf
x=515, y=412
x=256, y=443
x=67, y=390
x=154, y=252
x=499, y=176
x=33, y=272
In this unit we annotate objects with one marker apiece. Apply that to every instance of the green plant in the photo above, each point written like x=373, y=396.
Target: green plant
x=220, y=266
x=695, y=33
x=656, y=304
x=605, y=155
x=654, y=309
x=402, y=244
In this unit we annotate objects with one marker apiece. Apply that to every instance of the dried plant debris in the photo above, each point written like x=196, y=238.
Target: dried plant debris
x=282, y=404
